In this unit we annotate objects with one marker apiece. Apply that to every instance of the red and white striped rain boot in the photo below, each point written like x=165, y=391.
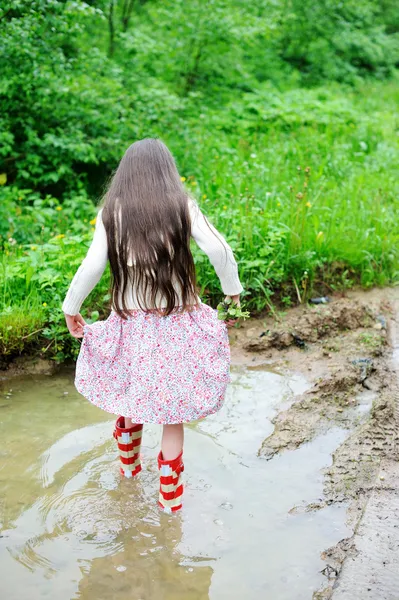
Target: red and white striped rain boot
x=171, y=483
x=129, y=442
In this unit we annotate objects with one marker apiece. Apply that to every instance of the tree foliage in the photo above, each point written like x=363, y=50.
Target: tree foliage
x=81, y=80
x=340, y=40
x=272, y=108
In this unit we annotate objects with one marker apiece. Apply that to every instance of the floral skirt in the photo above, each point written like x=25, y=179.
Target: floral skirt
x=156, y=369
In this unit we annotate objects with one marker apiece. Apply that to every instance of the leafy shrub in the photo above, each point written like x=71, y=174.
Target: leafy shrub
x=26, y=217
x=68, y=110
x=339, y=41
x=223, y=84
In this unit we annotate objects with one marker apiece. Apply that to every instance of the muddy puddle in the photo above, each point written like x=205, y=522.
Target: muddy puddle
x=71, y=527
x=277, y=482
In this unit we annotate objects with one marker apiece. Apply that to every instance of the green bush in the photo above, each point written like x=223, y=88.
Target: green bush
x=68, y=108
x=294, y=229
x=277, y=115
x=43, y=245
x=339, y=41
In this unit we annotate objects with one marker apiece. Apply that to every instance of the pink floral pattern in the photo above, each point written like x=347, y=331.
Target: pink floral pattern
x=156, y=369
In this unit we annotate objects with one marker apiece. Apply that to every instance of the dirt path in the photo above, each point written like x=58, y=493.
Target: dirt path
x=372, y=570
x=346, y=350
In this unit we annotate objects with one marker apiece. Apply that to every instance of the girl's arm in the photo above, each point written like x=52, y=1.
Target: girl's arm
x=89, y=272
x=218, y=251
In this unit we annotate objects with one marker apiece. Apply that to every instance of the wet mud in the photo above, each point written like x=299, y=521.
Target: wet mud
x=310, y=324
x=345, y=348
x=346, y=358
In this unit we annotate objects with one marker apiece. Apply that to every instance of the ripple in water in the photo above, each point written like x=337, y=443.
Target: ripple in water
x=71, y=524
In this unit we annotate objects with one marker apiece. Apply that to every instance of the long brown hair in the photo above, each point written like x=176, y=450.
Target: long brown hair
x=147, y=220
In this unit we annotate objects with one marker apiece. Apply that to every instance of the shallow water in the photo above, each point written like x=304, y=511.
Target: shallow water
x=71, y=526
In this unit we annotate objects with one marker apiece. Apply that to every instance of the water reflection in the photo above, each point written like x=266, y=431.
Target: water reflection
x=71, y=525
x=97, y=535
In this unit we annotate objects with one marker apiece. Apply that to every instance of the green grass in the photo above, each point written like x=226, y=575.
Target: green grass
x=303, y=183
x=342, y=228
x=19, y=326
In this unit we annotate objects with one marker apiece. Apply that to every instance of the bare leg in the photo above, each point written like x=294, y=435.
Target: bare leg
x=172, y=441
x=128, y=423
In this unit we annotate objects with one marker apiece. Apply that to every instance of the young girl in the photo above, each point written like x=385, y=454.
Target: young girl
x=161, y=356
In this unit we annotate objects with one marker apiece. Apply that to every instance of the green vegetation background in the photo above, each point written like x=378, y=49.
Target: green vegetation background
x=282, y=115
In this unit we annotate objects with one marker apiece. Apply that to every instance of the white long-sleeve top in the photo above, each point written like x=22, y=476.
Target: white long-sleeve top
x=204, y=234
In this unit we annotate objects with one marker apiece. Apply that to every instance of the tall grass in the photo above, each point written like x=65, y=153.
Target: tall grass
x=311, y=200
x=304, y=185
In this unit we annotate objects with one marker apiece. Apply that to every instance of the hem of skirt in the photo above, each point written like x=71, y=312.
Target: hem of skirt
x=157, y=422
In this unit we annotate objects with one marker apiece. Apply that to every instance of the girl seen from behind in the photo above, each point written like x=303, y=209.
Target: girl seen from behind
x=162, y=356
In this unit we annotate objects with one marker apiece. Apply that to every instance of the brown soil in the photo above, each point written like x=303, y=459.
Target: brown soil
x=345, y=349
x=28, y=365
x=310, y=324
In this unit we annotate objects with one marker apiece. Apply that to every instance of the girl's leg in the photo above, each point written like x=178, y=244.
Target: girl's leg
x=170, y=465
x=172, y=441
x=128, y=423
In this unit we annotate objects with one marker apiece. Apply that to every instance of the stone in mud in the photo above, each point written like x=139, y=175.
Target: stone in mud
x=258, y=344
x=365, y=365
x=381, y=320
x=320, y=300
x=298, y=341
x=281, y=340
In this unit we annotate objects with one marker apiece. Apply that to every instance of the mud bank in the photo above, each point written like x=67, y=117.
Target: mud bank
x=345, y=350
x=28, y=365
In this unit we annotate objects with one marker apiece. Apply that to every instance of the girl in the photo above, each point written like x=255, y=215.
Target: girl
x=161, y=356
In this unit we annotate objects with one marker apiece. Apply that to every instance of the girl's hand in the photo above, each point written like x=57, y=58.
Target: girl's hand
x=230, y=310
x=235, y=300
x=75, y=324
